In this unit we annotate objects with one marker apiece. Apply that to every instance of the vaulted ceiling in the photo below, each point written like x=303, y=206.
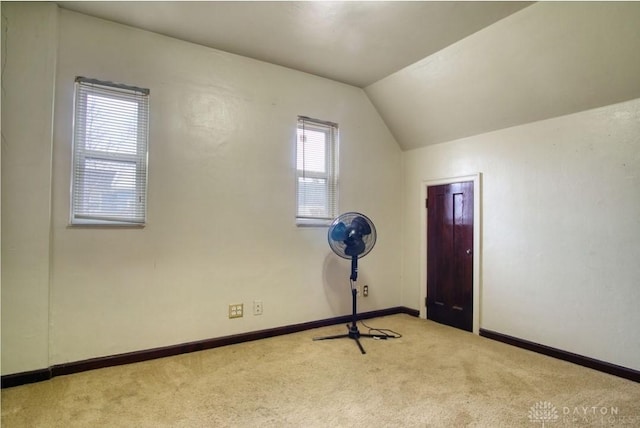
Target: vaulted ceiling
x=349, y=41
x=436, y=71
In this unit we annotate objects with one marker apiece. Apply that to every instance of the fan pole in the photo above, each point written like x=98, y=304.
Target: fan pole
x=354, y=317
x=354, y=333
x=353, y=330
x=354, y=268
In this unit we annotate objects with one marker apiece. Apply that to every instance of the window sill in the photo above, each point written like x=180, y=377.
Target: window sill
x=313, y=222
x=105, y=224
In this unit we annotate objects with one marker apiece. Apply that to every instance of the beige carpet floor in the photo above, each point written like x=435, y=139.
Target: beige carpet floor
x=434, y=376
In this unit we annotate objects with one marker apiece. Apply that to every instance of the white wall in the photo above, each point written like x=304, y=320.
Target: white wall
x=29, y=34
x=560, y=230
x=221, y=226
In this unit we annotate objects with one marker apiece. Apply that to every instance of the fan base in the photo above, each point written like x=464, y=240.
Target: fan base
x=354, y=334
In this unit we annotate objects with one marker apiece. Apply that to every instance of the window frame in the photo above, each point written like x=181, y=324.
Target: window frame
x=330, y=175
x=85, y=87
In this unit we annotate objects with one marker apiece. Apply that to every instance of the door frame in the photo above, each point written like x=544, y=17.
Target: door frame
x=477, y=243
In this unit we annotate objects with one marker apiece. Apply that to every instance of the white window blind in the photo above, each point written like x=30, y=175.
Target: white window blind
x=109, y=177
x=316, y=158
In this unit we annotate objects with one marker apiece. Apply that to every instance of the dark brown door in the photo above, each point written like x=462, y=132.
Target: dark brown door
x=450, y=254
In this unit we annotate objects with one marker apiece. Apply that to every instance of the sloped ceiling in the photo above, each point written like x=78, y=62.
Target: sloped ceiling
x=355, y=42
x=548, y=60
x=436, y=71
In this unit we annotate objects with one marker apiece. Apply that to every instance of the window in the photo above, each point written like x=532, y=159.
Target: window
x=316, y=158
x=109, y=177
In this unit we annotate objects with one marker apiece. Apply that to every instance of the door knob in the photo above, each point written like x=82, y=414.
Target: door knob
x=469, y=251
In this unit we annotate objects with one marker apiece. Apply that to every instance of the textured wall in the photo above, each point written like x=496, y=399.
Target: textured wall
x=221, y=221
x=29, y=34
x=560, y=229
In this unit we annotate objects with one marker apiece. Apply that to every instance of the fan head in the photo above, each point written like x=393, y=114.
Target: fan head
x=352, y=235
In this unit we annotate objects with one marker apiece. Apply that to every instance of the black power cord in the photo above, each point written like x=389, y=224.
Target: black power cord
x=385, y=333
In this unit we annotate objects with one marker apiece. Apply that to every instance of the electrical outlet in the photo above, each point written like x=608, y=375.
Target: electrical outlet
x=365, y=290
x=257, y=307
x=236, y=311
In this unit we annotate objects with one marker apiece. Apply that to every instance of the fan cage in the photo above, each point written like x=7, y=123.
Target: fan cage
x=339, y=247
